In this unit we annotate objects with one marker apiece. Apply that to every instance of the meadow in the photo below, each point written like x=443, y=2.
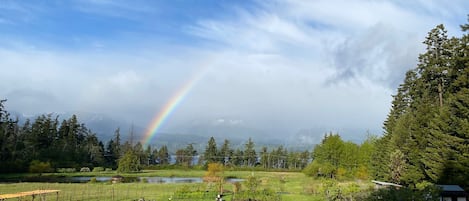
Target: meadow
x=287, y=185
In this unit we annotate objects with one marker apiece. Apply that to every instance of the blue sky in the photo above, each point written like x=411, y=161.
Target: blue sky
x=77, y=24
x=280, y=66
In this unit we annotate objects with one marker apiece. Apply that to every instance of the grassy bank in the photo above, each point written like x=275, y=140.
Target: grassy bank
x=290, y=186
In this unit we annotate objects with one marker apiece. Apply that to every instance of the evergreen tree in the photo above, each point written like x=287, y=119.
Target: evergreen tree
x=210, y=154
x=250, y=155
x=129, y=163
x=189, y=153
x=163, y=155
x=238, y=157
x=426, y=129
x=264, y=157
x=226, y=153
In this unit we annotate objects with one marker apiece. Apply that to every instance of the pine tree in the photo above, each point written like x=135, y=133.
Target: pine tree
x=226, y=153
x=211, y=152
x=264, y=157
x=250, y=155
x=238, y=158
x=426, y=129
x=163, y=155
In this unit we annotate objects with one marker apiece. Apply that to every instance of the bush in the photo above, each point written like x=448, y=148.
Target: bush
x=37, y=166
x=98, y=169
x=251, y=183
x=108, y=169
x=93, y=180
x=66, y=170
x=85, y=169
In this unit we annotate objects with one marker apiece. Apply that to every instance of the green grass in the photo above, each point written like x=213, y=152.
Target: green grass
x=293, y=185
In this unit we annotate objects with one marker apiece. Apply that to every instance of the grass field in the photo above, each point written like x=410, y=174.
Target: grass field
x=290, y=186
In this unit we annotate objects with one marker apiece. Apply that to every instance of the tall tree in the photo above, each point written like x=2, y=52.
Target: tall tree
x=425, y=132
x=250, y=155
x=226, y=153
x=163, y=155
x=211, y=152
x=264, y=157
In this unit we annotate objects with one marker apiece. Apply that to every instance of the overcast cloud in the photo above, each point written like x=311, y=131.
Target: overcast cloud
x=275, y=65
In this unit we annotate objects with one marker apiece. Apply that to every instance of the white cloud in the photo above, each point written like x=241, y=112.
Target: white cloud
x=285, y=65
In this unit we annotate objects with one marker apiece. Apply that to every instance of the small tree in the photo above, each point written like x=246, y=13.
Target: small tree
x=215, y=174
x=129, y=162
x=40, y=167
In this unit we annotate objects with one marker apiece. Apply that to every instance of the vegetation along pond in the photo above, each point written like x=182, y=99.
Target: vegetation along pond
x=160, y=180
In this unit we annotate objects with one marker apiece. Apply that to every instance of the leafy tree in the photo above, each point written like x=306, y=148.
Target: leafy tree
x=40, y=167
x=129, y=163
x=215, y=174
x=330, y=150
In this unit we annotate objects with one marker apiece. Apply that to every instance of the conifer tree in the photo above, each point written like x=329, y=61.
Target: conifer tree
x=250, y=155
x=211, y=152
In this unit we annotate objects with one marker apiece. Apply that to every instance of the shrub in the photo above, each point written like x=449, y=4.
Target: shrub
x=93, y=180
x=236, y=187
x=37, y=166
x=108, y=169
x=66, y=170
x=85, y=169
x=98, y=169
x=251, y=183
x=362, y=173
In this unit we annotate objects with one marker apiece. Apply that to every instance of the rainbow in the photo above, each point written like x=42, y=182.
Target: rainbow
x=170, y=106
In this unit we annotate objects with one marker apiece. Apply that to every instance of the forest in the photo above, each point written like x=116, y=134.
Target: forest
x=426, y=133
x=70, y=144
x=425, y=139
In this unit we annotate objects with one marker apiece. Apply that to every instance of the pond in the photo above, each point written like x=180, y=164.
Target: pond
x=159, y=180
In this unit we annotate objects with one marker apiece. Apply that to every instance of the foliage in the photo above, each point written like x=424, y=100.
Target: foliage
x=252, y=183
x=129, y=163
x=98, y=169
x=426, y=131
x=37, y=166
x=210, y=154
x=66, y=170
x=404, y=194
x=93, y=180
x=334, y=158
x=250, y=156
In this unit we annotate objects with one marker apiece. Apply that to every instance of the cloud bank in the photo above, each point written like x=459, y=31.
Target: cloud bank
x=281, y=66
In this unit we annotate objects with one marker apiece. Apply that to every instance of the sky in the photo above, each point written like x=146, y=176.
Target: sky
x=279, y=66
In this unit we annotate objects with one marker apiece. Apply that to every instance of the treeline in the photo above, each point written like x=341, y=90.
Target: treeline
x=63, y=144
x=426, y=135
x=46, y=144
x=277, y=158
x=339, y=159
